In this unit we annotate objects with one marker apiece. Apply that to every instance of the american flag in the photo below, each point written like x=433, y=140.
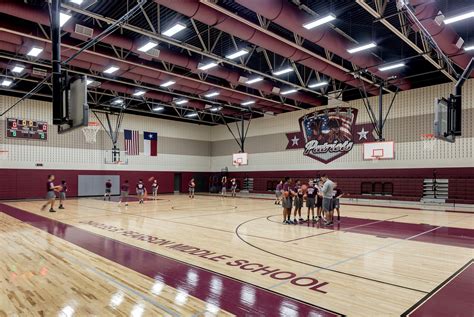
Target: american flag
x=132, y=142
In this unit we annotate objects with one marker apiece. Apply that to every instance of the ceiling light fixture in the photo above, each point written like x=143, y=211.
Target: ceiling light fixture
x=469, y=48
x=192, y=115
x=254, y=80
x=63, y=18
x=311, y=25
x=460, y=17
x=168, y=83
x=139, y=93
x=215, y=109
x=181, y=101
x=247, y=103
x=212, y=94
x=283, y=71
x=117, y=102
x=178, y=27
x=158, y=108
x=78, y=2
x=239, y=53
x=6, y=82
x=361, y=48
x=18, y=69
x=111, y=69
x=318, y=84
x=207, y=66
x=289, y=91
x=34, y=51
x=148, y=46
x=393, y=66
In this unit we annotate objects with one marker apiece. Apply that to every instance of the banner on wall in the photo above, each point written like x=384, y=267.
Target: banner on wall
x=328, y=134
x=150, y=143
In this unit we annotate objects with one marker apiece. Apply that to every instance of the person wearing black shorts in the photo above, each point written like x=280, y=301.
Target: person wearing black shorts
x=298, y=202
x=191, y=187
x=62, y=194
x=108, y=189
x=336, y=204
x=319, y=199
x=141, y=190
x=287, y=200
x=311, y=200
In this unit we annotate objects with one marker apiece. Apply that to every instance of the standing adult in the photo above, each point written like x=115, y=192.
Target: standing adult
x=327, y=195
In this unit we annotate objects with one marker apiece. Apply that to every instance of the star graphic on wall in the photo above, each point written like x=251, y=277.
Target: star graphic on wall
x=362, y=134
x=295, y=141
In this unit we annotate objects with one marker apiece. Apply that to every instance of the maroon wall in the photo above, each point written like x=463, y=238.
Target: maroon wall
x=407, y=183
x=31, y=183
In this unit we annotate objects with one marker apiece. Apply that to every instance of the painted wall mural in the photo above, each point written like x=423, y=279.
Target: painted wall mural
x=328, y=134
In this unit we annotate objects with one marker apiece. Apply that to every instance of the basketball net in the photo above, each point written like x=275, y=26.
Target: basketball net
x=428, y=141
x=90, y=132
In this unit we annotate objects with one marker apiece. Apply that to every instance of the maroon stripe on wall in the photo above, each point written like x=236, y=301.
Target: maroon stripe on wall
x=229, y=294
x=454, y=297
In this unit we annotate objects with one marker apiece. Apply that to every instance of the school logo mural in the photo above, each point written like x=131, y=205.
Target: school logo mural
x=326, y=135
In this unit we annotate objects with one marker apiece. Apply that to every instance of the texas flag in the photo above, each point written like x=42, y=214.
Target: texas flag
x=150, y=140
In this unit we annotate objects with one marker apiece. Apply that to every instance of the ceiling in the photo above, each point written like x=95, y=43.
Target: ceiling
x=273, y=37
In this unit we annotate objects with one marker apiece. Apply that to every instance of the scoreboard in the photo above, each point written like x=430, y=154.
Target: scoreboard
x=27, y=129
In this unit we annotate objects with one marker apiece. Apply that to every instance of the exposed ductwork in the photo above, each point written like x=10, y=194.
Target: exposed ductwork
x=200, y=12
x=444, y=35
x=133, y=71
x=29, y=13
x=288, y=16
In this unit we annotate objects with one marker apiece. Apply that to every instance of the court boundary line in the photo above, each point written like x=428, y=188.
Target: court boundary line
x=317, y=266
x=161, y=255
x=437, y=289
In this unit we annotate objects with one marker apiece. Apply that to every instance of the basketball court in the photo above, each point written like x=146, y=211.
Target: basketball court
x=236, y=158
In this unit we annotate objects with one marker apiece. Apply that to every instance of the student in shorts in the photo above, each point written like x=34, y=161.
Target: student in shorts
x=108, y=189
x=233, y=187
x=62, y=194
x=298, y=202
x=327, y=194
x=51, y=190
x=224, y=185
x=191, y=187
x=311, y=194
x=287, y=200
x=336, y=204
x=141, y=191
x=278, y=193
x=124, y=190
x=319, y=199
x=154, y=189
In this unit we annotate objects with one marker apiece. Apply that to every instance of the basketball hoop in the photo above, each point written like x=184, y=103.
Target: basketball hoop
x=90, y=132
x=428, y=141
x=237, y=162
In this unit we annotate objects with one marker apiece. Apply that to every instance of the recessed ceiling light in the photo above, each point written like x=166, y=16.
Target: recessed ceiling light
x=283, y=71
x=18, y=69
x=393, y=66
x=361, y=48
x=239, y=53
x=254, y=80
x=246, y=103
x=328, y=18
x=34, y=51
x=212, y=94
x=158, y=108
x=207, y=66
x=178, y=27
x=459, y=17
x=168, y=83
x=318, y=84
x=139, y=93
x=148, y=46
x=63, y=18
x=181, y=102
x=116, y=102
x=111, y=69
x=192, y=115
x=6, y=82
x=289, y=91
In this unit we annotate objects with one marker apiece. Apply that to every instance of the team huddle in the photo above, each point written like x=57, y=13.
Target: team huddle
x=321, y=194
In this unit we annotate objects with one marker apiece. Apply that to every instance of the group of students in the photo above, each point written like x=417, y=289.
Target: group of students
x=224, y=183
x=322, y=194
x=62, y=189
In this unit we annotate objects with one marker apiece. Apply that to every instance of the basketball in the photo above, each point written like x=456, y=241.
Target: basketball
x=305, y=197
x=304, y=188
x=151, y=179
x=286, y=194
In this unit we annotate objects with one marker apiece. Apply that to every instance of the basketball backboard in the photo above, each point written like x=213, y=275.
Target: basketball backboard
x=75, y=103
x=441, y=127
x=239, y=159
x=379, y=150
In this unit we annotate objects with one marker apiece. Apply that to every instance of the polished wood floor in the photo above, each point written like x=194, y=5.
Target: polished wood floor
x=379, y=261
